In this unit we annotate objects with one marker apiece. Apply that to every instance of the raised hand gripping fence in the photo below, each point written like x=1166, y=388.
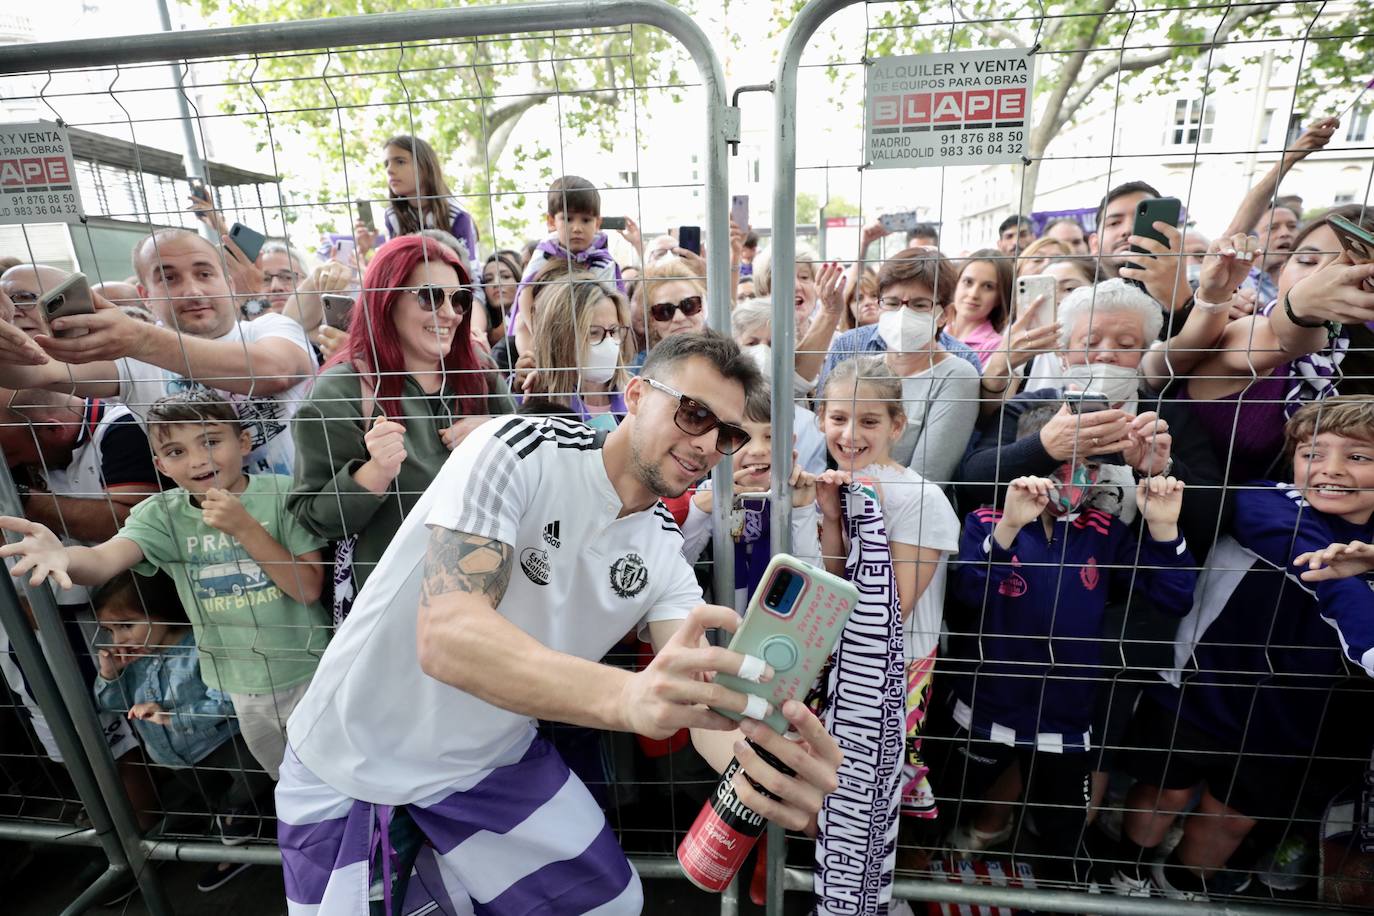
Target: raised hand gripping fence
x=1085, y=121
x=96, y=83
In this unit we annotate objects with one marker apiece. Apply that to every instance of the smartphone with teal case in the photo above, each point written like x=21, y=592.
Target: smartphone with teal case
x=792, y=623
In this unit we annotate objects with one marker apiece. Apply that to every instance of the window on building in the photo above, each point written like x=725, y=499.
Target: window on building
x=1358, y=131
x=1192, y=121
x=1342, y=199
x=630, y=179
x=1266, y=126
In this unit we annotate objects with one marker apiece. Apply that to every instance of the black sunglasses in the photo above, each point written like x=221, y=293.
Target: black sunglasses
x=434, y=297
x=663, y=311
x=696, y=419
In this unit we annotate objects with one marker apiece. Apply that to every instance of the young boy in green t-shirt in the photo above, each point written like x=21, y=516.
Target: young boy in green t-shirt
x=248, y=574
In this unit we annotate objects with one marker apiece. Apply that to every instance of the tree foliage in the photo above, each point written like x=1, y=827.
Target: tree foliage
x=465, y=96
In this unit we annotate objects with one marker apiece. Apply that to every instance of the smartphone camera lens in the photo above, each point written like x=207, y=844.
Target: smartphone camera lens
x=782, y=583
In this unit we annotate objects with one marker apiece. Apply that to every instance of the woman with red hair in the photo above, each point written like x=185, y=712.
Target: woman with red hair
x=398, y=396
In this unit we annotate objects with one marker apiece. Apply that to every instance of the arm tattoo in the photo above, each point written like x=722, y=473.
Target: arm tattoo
x=463, y=562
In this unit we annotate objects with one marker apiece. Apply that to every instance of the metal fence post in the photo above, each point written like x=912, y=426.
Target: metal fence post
x=67, y=704
x=784, y=252
x=368, y=30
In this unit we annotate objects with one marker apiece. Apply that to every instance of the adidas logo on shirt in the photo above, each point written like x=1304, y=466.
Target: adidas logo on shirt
x=551, y=535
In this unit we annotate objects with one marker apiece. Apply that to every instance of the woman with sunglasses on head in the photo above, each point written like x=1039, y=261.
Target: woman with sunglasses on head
x=581, y=346
x=397, y=397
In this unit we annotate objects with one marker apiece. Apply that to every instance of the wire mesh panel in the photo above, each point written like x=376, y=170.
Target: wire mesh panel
x=289, y=326
x=1111, y=686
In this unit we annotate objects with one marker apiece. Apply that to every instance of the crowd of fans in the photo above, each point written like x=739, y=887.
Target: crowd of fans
x=1130, y=520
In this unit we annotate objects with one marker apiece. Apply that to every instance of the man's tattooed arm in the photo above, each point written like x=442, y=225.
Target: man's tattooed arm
x=458, y=562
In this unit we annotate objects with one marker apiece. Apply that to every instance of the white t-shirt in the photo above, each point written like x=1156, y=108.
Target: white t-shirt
x=376, y=727
x=265, y=416
x=916, y=511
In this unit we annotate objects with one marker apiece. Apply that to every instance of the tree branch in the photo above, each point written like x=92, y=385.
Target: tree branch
x=1137, y=62
x=991, y=29
x=502, y=121
x=1053, y=119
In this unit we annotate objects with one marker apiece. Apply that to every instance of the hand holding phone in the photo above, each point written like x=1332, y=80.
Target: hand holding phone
x=792, y=623
x=899, y=222
x=364, y=208
x=1167, y=210
x=1033, y=287
x=249, y=241
x=689, y=237
x=70, y=297
x=338, y=310
x=739, y=210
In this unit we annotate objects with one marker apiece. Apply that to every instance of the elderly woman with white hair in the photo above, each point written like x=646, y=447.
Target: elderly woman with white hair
x=751, y=324
x=1106, y=330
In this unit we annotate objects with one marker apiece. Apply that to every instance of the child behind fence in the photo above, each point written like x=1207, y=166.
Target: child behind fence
x=575, y=236
x=862, y=416
x=249, y=576
x=150, y=671
x=1032, y=587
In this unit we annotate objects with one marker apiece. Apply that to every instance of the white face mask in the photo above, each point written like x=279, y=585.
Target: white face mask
x=904, y=331
x=762, y=355
x=600, y=362
x=1117, y=383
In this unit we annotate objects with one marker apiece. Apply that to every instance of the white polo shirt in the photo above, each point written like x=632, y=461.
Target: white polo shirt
x=377, y=728
x=267, y=417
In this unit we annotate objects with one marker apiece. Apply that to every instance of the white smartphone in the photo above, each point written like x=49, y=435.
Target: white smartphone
x=1030, y=288
x=739, y=210
x=899, y=222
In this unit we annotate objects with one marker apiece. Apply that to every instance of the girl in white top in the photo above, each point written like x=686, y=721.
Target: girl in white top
x=862, y=417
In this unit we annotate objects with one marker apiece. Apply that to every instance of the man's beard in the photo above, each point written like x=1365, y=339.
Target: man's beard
x=651, y=476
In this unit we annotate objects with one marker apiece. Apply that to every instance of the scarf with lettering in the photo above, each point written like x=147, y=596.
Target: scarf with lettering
x=865, y=709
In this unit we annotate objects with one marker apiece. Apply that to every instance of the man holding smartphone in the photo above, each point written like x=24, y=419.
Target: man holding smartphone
x=501, y=624
x=1158, y=266
x=265, y=367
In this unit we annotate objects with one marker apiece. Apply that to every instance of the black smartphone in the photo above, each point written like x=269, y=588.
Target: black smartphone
x=338, y=309
x=612, y=222
x=249, y=241
x=689, y=237
x=199, y=189
x=1168, y=210
x=365, y=213
x=1085, y=401
x=70, y=297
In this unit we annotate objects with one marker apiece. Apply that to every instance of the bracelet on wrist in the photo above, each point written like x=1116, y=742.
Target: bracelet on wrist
x=1332, y=329
x=1211, y=307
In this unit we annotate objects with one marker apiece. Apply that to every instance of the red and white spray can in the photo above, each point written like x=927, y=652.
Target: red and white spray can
x=715, y=848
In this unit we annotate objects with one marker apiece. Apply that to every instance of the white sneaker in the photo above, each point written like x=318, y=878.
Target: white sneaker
x=968, y=842
x=1124, y=885
x=1159, y=875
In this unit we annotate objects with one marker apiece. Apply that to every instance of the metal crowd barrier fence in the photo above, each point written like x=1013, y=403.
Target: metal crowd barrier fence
x=54, y=678
x=939, y=25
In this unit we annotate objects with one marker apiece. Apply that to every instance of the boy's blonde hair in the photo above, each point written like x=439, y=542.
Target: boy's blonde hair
x=565, y=313
x=842, y=384
x=1347, y=415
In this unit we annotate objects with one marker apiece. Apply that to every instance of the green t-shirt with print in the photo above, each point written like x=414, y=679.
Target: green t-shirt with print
x=253, y=638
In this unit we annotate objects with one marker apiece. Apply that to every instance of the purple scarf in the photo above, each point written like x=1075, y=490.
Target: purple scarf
x=595, y=257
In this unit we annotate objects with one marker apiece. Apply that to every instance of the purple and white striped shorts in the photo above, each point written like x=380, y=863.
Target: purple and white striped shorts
x=526, y=838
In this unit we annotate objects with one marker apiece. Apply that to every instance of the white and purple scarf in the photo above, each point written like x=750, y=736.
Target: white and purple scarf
x=865, y=709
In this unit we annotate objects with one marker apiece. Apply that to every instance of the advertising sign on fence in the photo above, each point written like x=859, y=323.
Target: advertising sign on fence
x=37, y=176
x=955, y=108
